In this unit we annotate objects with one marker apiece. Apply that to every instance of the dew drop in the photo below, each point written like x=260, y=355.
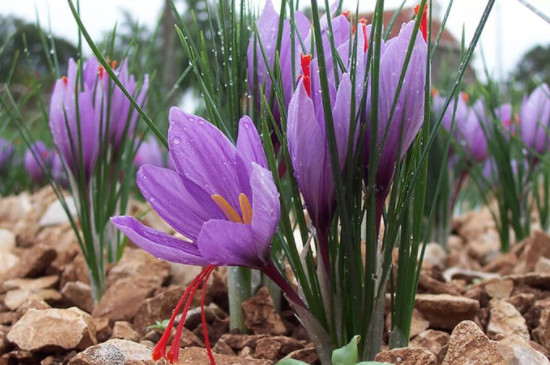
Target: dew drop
x=176, y=141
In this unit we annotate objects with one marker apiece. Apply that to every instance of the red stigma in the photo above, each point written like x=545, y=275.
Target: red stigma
x=423, y=21
x=346, y=13
x=365, y=35
x=465, y=97
x=113, y=64
x=101, y=72
x=173, y=353
x=305, y=61
x=65, y=80
x=435, y=92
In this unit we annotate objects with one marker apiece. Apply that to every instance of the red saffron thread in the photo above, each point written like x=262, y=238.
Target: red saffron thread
x=305, y=61
x=160, y=349
x=204, y=326
x=423, y=21
x=365, y=36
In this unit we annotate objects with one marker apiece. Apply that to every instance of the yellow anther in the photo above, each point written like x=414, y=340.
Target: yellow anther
x=226, y=208
x=245, y=208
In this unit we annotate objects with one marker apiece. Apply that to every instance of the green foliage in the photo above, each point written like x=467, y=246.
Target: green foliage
x=533, y=69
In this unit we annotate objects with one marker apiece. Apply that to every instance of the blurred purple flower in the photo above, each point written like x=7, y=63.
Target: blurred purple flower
x=258, y=74
x=474, y=137
x=460, y=115
x=535, y=119
x=59, y=174
x=37, y=161
x=221, y=198
x=6, y=152
x=149, y=153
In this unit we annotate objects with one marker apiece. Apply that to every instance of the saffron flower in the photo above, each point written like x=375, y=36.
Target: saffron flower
x=266, y=39
x=535, y=120
x=221, y=198
x=460, y=114
x=6, y=152
x=37, y=160
x=397, y=127
x=59, y=175
x=474, y=134
x=86, y=107
x=149, y=153
x=74, y=121
x=308, y=146
x=121, y=119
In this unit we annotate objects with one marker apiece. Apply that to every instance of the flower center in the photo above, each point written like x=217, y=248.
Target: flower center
x=231, y=213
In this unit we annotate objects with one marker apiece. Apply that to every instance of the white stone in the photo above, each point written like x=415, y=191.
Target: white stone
x=55, y=214
x=7, y=240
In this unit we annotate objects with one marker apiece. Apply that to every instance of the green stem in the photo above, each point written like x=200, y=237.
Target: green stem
x=238, y=286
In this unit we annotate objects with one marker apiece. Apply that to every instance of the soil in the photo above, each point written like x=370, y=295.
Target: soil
x=474, y=304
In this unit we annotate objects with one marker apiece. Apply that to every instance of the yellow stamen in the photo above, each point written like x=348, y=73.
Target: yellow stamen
x=245, y=208
x=226, y=208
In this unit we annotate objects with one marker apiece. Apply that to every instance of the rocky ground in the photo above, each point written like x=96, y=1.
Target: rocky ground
x=475, y=305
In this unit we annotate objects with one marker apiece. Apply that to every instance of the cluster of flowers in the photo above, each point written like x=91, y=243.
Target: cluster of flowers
x=470, y=125
x=86, y=108
x=37, y=160
x=222, y=198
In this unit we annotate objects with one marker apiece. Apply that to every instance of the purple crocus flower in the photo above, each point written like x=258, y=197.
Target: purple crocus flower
x=59, y=175
x=308, y=146
x=258, y=75
x=149, y=153
x=75, y=129
x=37, y=160
x=460, y=115
x=474, y=132
x=535, y=119
x=213, y=179
x=6, y=152
x=408, y=115
x=221, y=198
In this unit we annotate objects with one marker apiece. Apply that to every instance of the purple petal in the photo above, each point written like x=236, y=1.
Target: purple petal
x=307, y=147
x=159, y=244
x=249, y=144
x=37, y=158
x=409, y=110
x=170, y=198
x=535, y=119
x=224, y=243
x=266, y=209
x=341, y=117
x=203, y=154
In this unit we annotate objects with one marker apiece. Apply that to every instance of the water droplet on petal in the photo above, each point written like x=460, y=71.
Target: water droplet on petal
x=176, y=141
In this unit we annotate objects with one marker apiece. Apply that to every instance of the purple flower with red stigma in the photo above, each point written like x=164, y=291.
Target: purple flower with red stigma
x=74, y=121
x=149, y=153
x=81, y=104
x=535, y=120
x=308, y=146
x=37, y=159
x=397, y=127
x=221, y=198
x=117, y=111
